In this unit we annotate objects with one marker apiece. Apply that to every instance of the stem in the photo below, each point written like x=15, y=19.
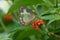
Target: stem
x=56, y=3
x=57, y=12
x=38, y=14
x=5, y=29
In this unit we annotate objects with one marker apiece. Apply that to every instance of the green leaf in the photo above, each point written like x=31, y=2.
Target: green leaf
x=5, y=36
x=51, y=17
x=1, y=13
x=18, y=3
x=53, y=2
x=24, y=34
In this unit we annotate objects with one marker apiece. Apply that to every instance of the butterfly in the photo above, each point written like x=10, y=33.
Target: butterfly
x=26, y=15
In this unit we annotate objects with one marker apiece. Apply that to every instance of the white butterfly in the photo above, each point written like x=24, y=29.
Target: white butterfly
x=26, y=16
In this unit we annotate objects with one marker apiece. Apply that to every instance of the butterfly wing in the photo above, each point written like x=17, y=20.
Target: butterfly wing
x=26, y=16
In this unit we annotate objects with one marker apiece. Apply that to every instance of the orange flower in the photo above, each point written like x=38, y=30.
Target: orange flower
x=40, y=22
x=37, y=23
x=8, y=17
x=57, y=36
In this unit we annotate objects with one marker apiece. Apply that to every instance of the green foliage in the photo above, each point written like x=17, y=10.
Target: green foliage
x=48, y=10
x=5, y=36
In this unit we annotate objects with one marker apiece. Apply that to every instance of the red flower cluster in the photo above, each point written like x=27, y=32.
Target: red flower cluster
x=37, y=23
x=8, y=17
